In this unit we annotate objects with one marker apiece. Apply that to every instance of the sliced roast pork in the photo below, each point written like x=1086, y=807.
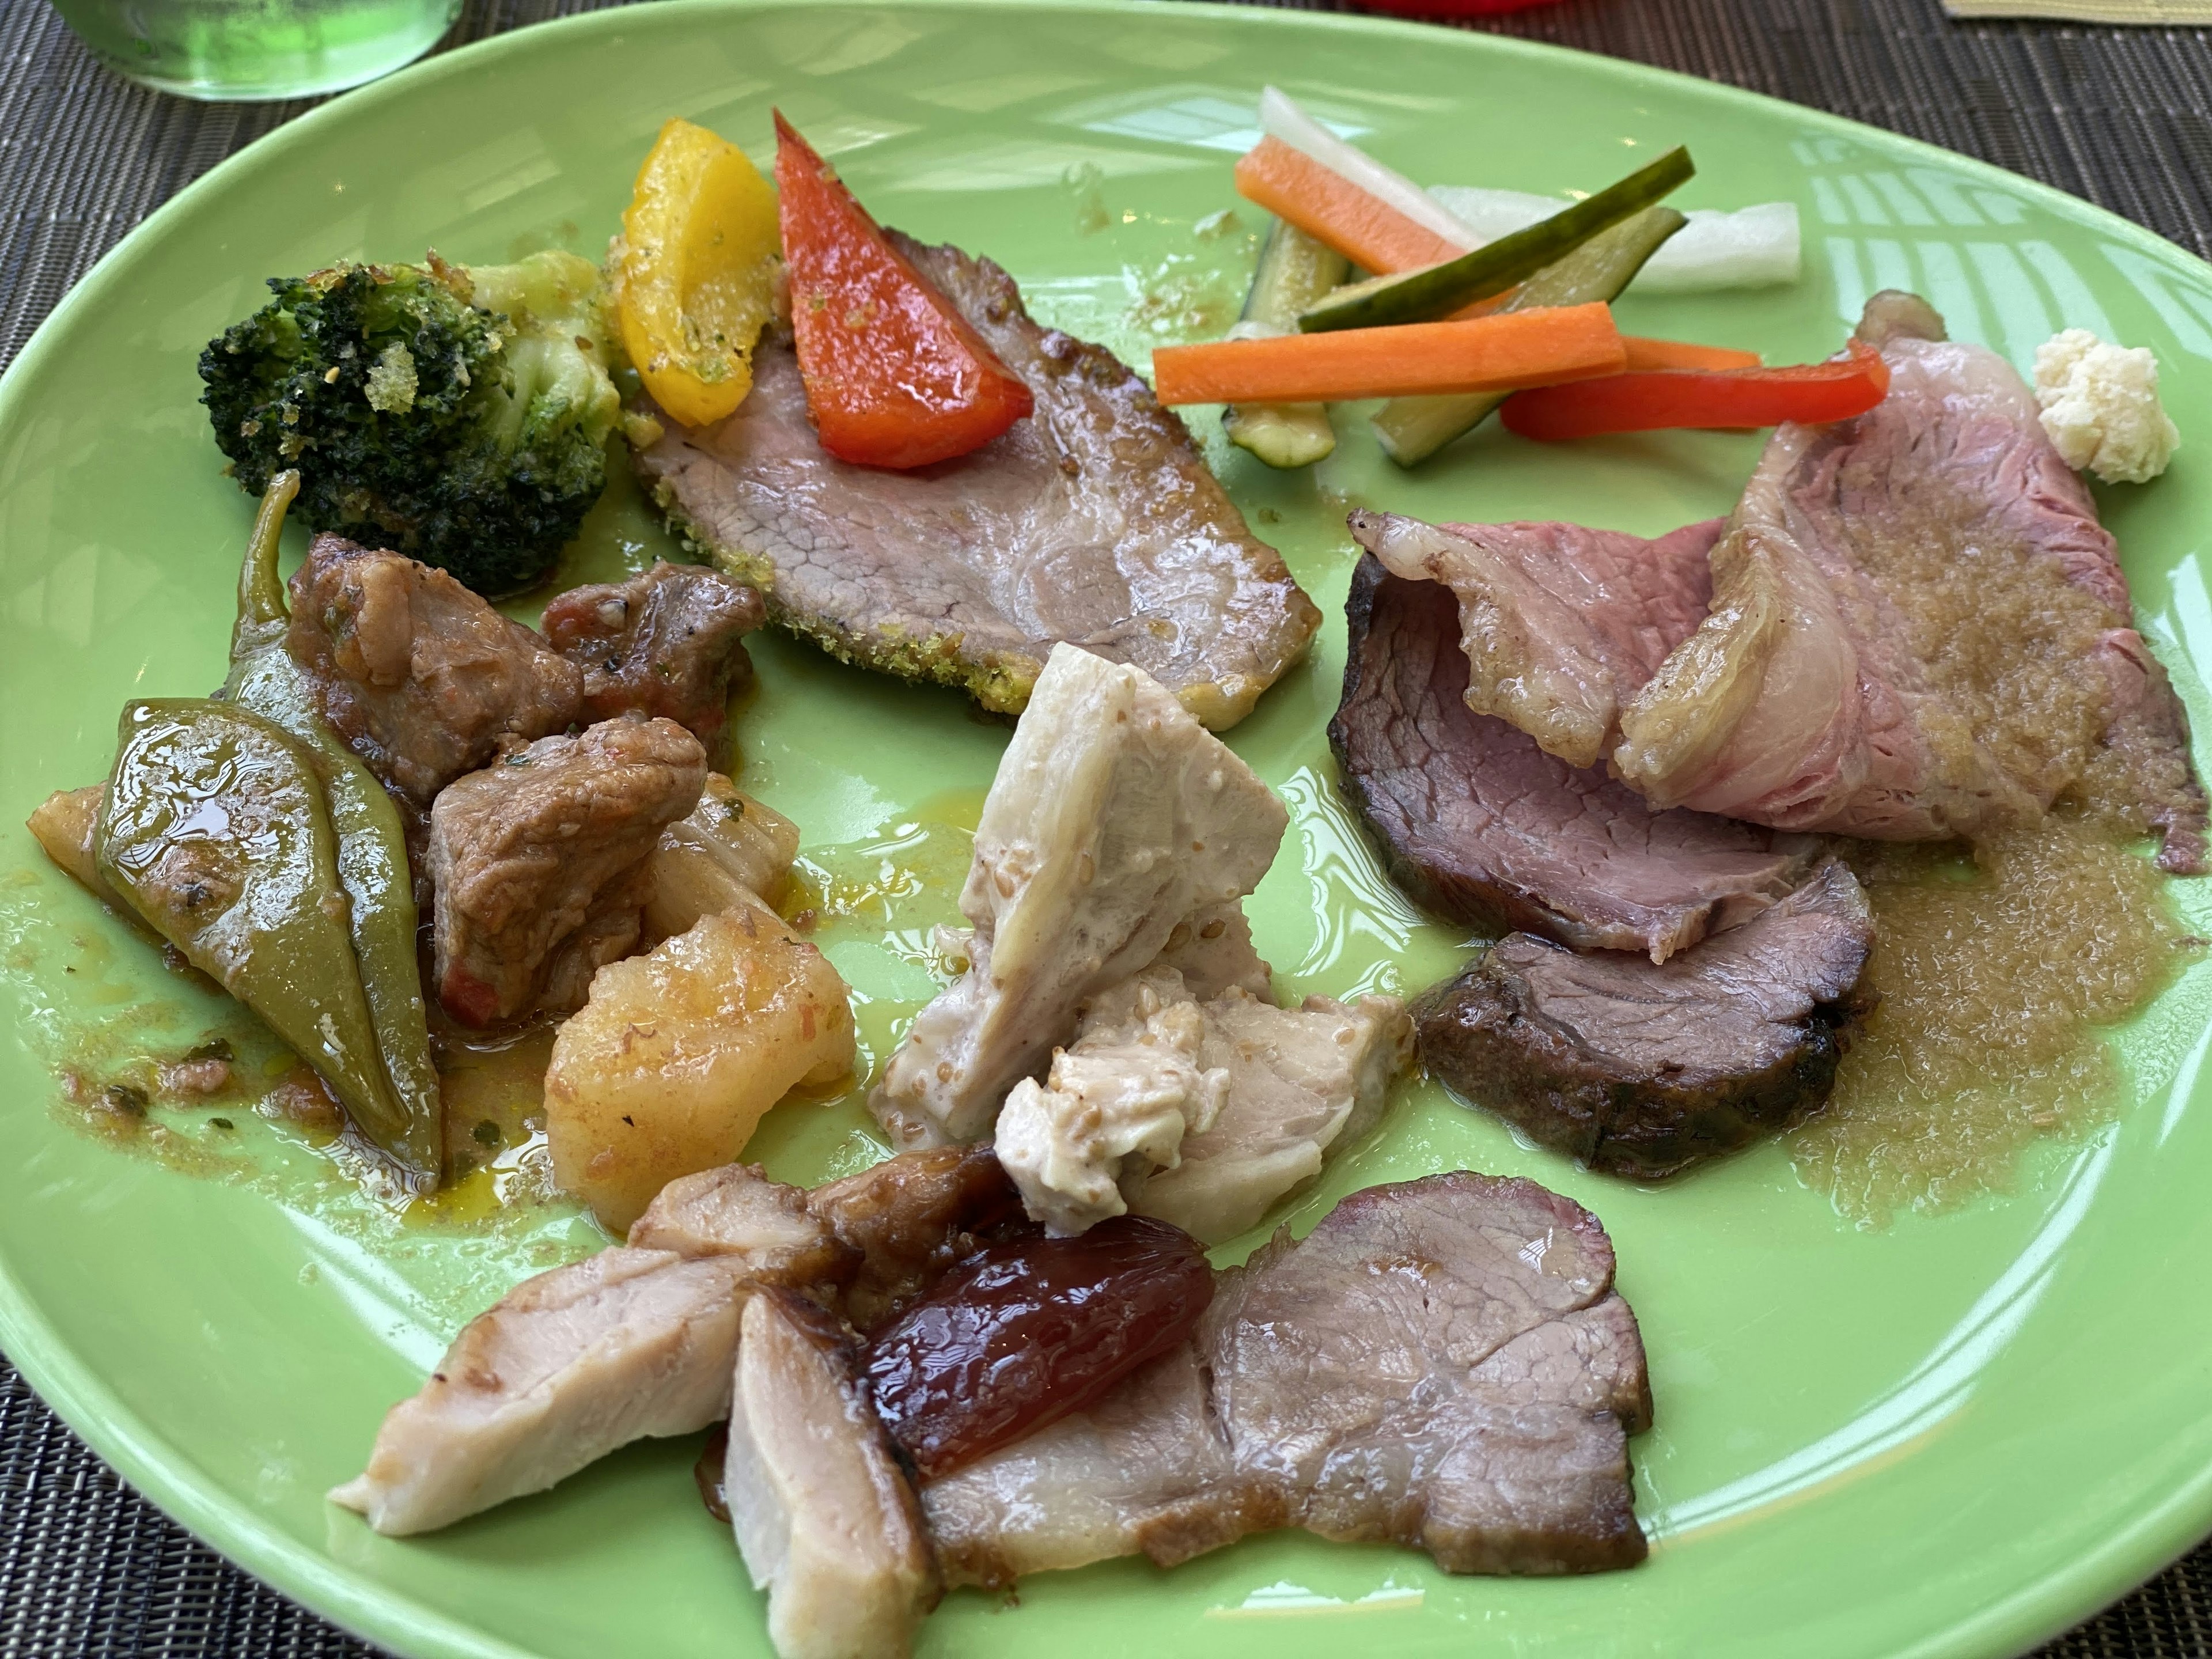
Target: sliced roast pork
x=824, y=1517
x=1442, y=1363
x=1094, y=521
x=1479, y=824
x=571, y=1365
x=1918, y=629
x=1644, y=1069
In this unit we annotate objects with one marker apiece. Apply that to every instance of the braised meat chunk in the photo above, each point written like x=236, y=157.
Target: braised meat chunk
x=523, y=852
x=423, y=679
x=1092, y=521
x=667, y=642
x=1643, y=1068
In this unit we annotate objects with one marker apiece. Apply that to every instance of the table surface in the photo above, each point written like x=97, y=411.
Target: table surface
x=2123, y=117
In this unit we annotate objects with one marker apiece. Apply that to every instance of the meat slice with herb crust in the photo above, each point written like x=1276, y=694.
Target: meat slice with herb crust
x=667, y=642
x=422, y=677
x=1093, y=521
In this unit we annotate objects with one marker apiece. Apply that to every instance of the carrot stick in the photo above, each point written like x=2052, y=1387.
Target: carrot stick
x=1645, y=354
x=1512, y=349
x=1331, y=209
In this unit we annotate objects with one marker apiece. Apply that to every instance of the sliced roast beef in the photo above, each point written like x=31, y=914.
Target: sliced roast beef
x=1442, y=1362
x=547, y=850
x=668, y=642
x=1559, y=616
x=1645, y=1068
x=423, y=679
x=1918, y=629
x=1094, y=521
x=1478, y=823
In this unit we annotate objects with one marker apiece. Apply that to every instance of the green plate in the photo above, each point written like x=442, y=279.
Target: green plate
x=1954, y=1434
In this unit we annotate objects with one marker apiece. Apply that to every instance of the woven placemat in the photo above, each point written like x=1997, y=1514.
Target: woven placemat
x=2121, y=116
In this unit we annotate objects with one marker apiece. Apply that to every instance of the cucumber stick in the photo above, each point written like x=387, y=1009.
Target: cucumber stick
x=1410, y=429
x=1420, y=297
x=1294, y=271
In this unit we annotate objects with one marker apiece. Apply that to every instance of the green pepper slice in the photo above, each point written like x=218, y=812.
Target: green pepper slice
x=217, y=832
x=372, y=847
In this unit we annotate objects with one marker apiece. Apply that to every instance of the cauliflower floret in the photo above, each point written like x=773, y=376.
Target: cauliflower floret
x=2100, y=407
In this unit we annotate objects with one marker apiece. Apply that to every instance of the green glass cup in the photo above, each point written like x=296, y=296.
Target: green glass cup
x=242, y=50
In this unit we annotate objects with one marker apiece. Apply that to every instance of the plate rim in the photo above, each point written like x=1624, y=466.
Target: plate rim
x=157, y=1470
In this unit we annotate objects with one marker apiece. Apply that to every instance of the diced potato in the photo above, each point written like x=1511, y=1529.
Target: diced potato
x=680, y=1052
x=730, y=850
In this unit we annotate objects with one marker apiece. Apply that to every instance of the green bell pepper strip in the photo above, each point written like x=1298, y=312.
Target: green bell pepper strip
x=1410, y=429
x=1420, y=297
x=216, y=830
x=372, y=849
x=1295, y=270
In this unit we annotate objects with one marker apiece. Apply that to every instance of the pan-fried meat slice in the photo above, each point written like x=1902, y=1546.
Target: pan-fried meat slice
x=1918, y=629
x=420, y=676
x=570, y=1365
x=737, y=1211
x=910, y=1217
x=1478, y=823
x=1442, y=1362
x=825, y=1518
x=1561, y=617
x=1145, y=1471
x=1093, y=521
x=1114, y=817
x=668, y=642
x=523, y=853
x=1644, y=1069
x=1400, y=1371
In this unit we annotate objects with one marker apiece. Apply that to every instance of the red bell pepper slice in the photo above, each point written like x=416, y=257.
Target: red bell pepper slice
x=1655, y=399
x=895, y=375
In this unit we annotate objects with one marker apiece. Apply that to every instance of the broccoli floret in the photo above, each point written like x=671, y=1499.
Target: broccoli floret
x=459, y=416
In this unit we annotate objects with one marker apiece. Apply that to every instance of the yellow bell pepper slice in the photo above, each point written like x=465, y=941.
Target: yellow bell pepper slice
x=700, y=253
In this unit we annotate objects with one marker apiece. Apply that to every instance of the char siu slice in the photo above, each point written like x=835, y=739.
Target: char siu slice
x=1094, y=521
x=1643, y=1069
x=1478, y=823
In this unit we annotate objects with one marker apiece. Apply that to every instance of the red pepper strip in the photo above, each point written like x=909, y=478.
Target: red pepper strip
x=894, y=376
x=1657, y=399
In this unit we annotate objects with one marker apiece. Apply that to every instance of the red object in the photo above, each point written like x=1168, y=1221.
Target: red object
x=1650, y=401
x=1023, y=1332
x=894, y=376
x=1452, y=7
